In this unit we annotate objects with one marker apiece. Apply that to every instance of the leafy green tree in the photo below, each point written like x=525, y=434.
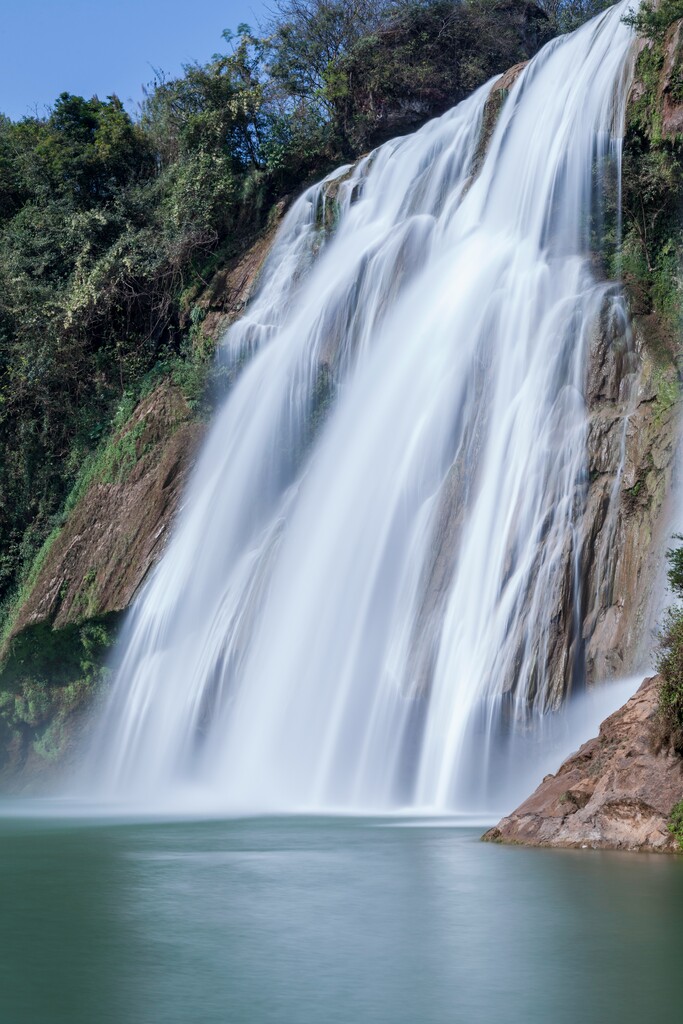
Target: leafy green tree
x=87, y=150
x=567, y=15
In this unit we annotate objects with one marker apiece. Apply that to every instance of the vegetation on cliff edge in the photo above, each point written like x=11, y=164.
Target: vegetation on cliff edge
x=651, y=252
x=669, y=663
x=111, y=227
x=676, y=823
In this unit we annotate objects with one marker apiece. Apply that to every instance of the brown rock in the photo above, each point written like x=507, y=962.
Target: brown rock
x=614, y=793
x=226, y=298
x=492, y=109
x=118, y=529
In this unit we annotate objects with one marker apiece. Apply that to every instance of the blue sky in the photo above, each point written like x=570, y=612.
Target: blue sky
x=104, y=46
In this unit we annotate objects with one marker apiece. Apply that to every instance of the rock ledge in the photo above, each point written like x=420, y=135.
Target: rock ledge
x=614, y=793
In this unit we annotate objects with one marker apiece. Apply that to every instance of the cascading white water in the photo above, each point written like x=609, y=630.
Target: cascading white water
x=366, y=586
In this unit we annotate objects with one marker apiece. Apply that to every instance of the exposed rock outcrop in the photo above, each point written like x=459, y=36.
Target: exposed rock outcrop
x=632, y=443
x=231, y=288
x=119, y=526
x=603, y=614
x=492, y=109
x=614, y=793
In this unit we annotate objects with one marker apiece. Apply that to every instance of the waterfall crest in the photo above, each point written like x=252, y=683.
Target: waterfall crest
x=372, y=588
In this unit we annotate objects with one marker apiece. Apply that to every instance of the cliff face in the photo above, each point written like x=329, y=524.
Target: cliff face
x=617, y=791
x=634, y=414
x=91, y=569
x=118, y=528
x=633, y=409
x=614, y=793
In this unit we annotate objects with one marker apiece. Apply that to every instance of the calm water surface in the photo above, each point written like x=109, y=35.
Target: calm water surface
x=310, y=920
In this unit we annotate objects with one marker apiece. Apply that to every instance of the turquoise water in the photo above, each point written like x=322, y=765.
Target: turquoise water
x=314, y=920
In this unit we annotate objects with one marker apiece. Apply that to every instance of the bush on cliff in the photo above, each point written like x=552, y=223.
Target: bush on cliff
x=394, y=64
x=652, y=247
x=676, y=823
x=669, y=726
x=653, y=20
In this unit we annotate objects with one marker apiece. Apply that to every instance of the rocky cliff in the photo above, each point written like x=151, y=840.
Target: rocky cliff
x=605, y=612
x=616, y=792
x=116, y=527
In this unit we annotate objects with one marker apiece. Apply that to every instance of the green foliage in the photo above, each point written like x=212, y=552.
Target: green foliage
x=567, y=15
x=111, y=227
x=668, y=393
x=651, y=254
x=373, y=69
x=675, y=570
x=675, y=823
x=55, y=657
x=49, y=676
x=669, y=663
x=670, y=668
x=652, y=20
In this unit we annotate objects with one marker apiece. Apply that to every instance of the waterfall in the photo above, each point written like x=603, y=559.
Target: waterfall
x=371, y=598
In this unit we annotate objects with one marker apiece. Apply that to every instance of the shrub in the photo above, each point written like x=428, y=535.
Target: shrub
x=668, y=732
x=652, y=20
x=652, y=247
x=676, y=823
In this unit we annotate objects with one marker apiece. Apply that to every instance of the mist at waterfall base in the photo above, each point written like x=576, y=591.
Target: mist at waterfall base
x=363, y=606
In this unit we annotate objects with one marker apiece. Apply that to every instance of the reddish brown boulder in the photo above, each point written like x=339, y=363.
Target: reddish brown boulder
x=614, y=793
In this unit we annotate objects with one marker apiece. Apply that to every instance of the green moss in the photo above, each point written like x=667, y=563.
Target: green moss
x=668, y=393
x=47, y=678
x=85, y=603
x=114, y=460
x=675, y=823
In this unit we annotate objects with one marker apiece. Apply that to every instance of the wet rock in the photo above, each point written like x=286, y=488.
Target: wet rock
x=231, y=288
x=632, y=447
x=494, y=105
x=613, y=793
